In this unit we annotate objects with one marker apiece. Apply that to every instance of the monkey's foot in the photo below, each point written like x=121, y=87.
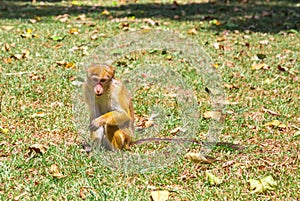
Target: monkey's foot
x=96, y=123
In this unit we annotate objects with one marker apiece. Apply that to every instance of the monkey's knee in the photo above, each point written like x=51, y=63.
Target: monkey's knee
x=120, y=140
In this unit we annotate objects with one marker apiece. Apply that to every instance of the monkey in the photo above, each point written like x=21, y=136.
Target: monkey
x=110, y=108
x=111, y=111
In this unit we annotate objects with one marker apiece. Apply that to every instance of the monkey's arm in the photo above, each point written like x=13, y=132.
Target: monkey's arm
x=113, y=118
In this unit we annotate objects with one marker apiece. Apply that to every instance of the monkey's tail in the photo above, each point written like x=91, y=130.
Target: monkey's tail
x=153, y=139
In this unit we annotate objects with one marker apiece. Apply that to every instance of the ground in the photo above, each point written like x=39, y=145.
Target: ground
x=253, y=45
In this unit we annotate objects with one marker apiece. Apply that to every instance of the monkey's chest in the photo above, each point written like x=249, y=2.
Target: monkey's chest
x=103, y=105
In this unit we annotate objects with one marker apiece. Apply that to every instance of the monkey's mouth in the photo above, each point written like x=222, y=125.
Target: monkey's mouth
x=98, y=89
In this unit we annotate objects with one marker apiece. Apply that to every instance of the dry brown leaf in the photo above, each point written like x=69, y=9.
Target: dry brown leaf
x=160, y=195
x=74, y=31
x=207, y=115
x=230, y=86
x=221, y=39
x=150, y=22
x=62, y=18
x=70, y=65
x=149, y=123
x=54, y=171
x=25, y=54
x=7, y=60
x=275, y=123
x=81, y=17
x=264, y=42
x=7, y=28
x=176, y=130
x=192, y=31
x=215, y=115
x=38, y=148
x=82, y=193
x=60, y=63
x=32, y=21
x=199, y=158
x=6, y=47
x=228, y=163
x=17, y=56
x=94, y=36
x=259, y=66
x=38, y=114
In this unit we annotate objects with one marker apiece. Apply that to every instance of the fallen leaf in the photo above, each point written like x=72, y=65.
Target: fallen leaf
x=199, y=158
x=282, y=68
x=259, y=66
x=17, y=56
x=160, y=195
x=7, y=60
x=228, y=163
x=38, y=148
x=70, y=65
x=7, y=28
x=192, y=31
x=57, y=38
x=221, y=39
x=60, y=63
x=94, y=37
x=275, y=123
x=105, y=12
x=149, y=123
x=74, y=31
x=82, y=193
x=3, y=130
x=32, y=21
x=176, y=130
x=62, y=18
x=212, y=179
x=150, y=22
x=81, y=17
x=264, y=42
x=207, y=115
x=54, y=171
x=6, y=47
x=38, y=114
x=215, y=115
x=262, y=185
x=25, y=54
x=230, y=86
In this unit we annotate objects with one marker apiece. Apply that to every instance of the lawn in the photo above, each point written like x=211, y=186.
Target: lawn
x=254, y=49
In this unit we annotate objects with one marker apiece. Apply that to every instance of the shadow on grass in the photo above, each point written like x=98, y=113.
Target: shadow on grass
x=258, y=16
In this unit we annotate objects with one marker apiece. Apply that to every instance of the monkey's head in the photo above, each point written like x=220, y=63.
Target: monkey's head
x=99, y=76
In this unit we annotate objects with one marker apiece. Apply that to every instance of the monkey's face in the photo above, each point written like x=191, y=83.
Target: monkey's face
x=99, y=77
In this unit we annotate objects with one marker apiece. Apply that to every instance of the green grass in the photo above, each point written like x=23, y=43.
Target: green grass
x=36, y=99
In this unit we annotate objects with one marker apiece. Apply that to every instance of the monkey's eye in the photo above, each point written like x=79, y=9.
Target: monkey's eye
x=103, y=80
x=95, y=79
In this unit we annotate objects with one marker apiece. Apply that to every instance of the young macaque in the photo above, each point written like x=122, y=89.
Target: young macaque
x=111, y=111
x=110, y=107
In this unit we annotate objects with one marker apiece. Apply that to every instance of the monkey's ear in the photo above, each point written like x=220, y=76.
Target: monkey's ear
x=113, y=70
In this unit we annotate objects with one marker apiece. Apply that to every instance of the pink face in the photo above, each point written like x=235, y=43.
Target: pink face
x=100, y=77
x=98, y=89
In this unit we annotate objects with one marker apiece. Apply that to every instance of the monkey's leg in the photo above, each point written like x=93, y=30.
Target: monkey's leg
x=119, y=138
x=114, y=118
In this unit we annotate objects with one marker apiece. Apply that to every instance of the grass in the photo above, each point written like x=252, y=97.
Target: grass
x=36, y=98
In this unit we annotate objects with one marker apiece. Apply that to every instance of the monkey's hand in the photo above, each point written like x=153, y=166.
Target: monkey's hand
x=97, y=123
